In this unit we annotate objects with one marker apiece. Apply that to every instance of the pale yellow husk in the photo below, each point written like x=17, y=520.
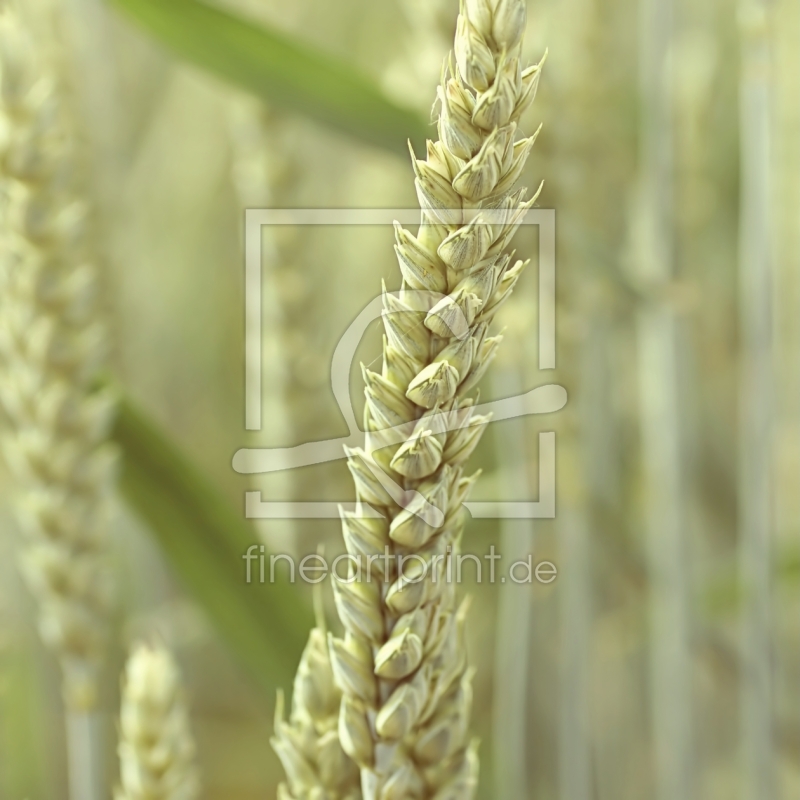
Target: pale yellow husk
x=51, y=345
x=156, y=748
x=402, y=665
x=316, y=766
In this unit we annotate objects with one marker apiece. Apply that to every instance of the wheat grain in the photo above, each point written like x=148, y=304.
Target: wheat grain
x=156, y=748
x=402, y=664
x=50, y=346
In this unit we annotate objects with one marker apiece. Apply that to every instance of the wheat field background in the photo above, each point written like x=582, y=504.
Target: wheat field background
x=664, y=660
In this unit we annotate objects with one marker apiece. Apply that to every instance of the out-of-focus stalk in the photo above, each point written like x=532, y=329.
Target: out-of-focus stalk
x=414, y=74
x=756, y=405
x=588, y=459
x=585, y=481
x=281, y=162
x=260, y=161
x=574, y=752
x=84, y=738
x=660, y=408
x=514, y=614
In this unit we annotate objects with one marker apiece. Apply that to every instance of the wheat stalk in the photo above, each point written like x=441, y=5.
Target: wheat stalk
x=50, y=346
x=308, y=744
x=661, y=404
x=757, y=404
x=259, y=162
x=402, y=664
x=279, y=162
x=156, y=748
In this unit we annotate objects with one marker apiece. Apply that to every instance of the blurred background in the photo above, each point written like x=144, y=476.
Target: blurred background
x=664, y=661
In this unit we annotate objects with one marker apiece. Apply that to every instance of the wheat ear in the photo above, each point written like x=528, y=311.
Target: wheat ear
x=50, y=347
x=402, y=663
x=308, y=744
x=156, y=748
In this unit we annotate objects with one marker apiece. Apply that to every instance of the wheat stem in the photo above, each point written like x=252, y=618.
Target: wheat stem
x=308, y=744
x=87, y=29
x=257, y=173
x=414, y=74
x=660, y=407
x=587, y=461
x=757, y=383
x=588, y=456
x=83, y=751
x=584, y=458
x=574, y=752
x=510, y=758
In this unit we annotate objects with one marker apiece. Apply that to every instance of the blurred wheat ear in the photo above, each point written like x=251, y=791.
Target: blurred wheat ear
x=156, y=748
x=51, y=343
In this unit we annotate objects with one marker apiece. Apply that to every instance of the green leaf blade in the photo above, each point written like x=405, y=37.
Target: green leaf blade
x=203, y=539
x=284, y=72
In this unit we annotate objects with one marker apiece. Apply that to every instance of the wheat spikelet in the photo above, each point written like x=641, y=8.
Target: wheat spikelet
x=50, y=347
x=402, y=665
x=156, y=748
x=308, y=744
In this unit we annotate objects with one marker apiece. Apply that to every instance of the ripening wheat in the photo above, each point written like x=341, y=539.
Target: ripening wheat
x=308, y=744
x=156, y=749
x=402, y=665
x=50, y=347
